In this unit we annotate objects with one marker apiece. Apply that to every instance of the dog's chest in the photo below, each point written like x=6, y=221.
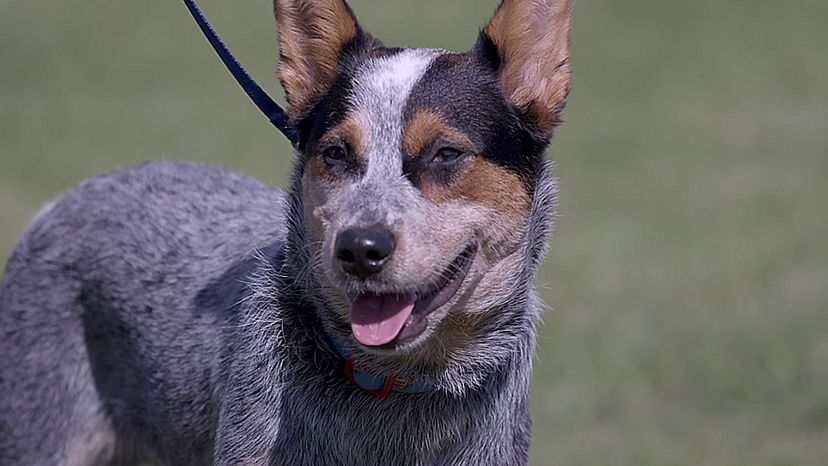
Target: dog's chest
x=360, y=429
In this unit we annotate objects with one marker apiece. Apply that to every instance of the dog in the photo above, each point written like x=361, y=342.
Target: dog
x=382, y=312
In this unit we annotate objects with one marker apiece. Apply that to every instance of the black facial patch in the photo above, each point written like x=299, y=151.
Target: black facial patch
x=464, y=89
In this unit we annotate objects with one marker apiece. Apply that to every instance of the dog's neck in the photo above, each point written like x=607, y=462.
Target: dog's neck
x=379, y=385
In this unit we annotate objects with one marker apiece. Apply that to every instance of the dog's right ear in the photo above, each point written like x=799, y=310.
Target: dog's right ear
x=312, y=36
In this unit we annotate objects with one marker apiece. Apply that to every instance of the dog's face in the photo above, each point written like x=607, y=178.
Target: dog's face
x=419, y=166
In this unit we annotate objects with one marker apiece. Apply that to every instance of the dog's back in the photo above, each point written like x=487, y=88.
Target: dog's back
x=111, y=310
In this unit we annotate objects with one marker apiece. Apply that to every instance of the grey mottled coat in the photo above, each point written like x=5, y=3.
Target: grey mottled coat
x=153, y=311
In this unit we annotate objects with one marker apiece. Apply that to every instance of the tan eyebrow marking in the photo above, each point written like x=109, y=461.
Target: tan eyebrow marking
x=351, y=130
x=426, y=127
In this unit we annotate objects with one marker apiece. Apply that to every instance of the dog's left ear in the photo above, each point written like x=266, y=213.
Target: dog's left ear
x=527, y=41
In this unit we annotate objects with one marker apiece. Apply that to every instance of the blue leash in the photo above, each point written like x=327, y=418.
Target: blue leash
x=277, y=116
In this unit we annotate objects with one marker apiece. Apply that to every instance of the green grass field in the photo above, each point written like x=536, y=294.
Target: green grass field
x=688, y=278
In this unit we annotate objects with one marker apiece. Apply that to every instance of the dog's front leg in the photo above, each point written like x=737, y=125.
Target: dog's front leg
x=247, y=427
x=249, y=402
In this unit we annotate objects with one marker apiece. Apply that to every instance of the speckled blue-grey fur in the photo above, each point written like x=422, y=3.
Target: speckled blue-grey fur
x=152, y=312
x=112, y=308
x=183, y=314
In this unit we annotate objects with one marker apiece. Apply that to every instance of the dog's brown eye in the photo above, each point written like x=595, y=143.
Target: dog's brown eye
x=334, y=153
x=447, y=155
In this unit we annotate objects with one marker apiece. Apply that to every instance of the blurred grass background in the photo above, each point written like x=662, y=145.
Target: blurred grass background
x=689, y=272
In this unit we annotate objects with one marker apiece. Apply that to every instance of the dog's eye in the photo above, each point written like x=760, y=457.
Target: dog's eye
x=446, y=155
x=334, y=153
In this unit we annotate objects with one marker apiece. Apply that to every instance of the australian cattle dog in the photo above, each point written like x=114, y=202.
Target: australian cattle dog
x=382, y=312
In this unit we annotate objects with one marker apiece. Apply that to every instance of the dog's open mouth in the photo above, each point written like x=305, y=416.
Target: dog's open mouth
x=378, y=320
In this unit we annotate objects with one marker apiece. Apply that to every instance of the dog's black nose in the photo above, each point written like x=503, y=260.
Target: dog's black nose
x=364, y=251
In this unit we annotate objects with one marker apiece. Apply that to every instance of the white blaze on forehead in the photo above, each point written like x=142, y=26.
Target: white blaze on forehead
x=380, y=92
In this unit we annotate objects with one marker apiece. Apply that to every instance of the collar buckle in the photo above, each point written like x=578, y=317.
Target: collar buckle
x=383, y=392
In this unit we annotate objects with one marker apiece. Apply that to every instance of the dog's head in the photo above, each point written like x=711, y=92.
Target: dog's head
x=419, y=168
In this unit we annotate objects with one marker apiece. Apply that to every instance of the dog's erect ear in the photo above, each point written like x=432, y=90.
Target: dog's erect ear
x=312, y=35
x=528, y=43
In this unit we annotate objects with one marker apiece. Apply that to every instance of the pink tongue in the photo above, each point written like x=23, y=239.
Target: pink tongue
x=377, y=320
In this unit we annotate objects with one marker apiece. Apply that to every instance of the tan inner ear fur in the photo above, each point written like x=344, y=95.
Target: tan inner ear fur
x=533, y=39
x=311, y=36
